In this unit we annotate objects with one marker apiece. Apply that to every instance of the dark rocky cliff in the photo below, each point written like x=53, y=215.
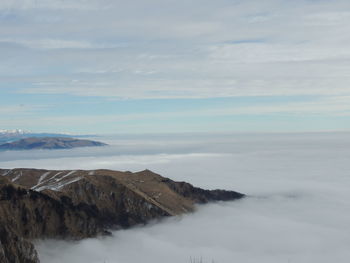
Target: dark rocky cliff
x=14, y=248
x=78, y=204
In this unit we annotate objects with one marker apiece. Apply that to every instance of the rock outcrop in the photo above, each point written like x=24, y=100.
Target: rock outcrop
x=78, y=204
x=14, y=248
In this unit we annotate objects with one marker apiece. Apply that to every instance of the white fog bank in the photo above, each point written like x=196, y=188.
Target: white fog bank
x=298, y=209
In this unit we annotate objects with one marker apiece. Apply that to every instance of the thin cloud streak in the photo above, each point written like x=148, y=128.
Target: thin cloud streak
x=323, y=106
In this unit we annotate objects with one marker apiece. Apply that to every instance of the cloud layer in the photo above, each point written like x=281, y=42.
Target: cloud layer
x=175, y=50
x=297, y=209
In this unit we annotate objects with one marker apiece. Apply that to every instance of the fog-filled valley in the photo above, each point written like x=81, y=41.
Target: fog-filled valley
x=297, y=209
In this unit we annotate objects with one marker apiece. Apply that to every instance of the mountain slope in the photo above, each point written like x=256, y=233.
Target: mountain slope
x=79, y=204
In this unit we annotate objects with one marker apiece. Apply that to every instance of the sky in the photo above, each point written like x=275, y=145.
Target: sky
x=297, y=209
x=166, y=66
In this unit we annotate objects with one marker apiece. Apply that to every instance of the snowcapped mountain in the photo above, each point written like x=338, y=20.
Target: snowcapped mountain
x=13, y=132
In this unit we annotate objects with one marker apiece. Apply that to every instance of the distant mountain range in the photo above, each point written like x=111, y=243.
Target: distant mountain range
x=50, y=143
x=13, y=135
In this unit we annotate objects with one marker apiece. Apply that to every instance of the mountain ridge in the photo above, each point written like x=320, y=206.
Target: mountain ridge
x=76, y=204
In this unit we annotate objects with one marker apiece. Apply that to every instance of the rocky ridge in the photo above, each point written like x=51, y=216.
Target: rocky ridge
x=75, y=204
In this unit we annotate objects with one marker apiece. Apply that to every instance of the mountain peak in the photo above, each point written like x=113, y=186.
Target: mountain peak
x=14, y=131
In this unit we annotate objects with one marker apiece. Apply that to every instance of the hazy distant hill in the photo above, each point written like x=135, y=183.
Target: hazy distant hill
x=14, y=135
x=48, y=143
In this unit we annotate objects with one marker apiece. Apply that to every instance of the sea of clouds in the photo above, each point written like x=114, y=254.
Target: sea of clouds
x=297, y=209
